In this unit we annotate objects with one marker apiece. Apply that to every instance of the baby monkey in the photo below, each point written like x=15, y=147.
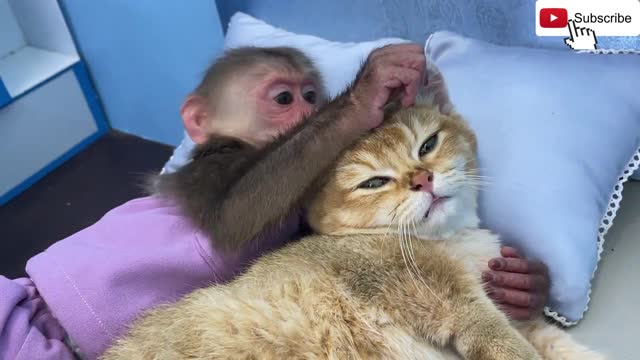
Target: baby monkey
x=265, y=133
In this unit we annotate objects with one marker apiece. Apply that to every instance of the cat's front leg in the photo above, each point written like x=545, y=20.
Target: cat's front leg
x=481, y=332
x=554, y=343
x=453, y=310
x=446, y=305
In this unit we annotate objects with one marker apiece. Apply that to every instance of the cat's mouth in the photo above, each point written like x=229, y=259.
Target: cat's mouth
x=436, y=202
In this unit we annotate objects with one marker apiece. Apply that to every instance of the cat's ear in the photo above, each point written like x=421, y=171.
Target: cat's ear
x=434, y=90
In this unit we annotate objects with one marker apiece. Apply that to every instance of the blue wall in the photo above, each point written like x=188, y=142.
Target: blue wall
x=144, y=56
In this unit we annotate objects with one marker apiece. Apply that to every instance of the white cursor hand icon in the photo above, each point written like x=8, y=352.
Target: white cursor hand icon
x=580, y=38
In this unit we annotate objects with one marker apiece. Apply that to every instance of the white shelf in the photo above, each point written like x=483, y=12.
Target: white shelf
x=45, y=113
x=35, y=44
x=11, y=36
x=39, y=127
x=30, y=66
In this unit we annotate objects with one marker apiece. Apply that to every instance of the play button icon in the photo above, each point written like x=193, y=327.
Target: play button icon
x=553, y=17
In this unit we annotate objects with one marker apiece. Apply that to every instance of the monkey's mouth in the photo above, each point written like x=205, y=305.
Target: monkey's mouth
x=435, y=203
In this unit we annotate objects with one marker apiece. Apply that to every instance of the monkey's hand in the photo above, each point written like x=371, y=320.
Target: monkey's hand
x=387, y=71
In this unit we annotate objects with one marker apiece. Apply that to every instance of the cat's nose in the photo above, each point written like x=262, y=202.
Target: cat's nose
x=422, y=181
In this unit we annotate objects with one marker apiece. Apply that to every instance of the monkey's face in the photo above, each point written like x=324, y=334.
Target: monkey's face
x=281, y=100
x=415, y=174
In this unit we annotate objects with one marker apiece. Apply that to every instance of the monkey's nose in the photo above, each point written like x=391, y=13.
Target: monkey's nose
x=422, y=181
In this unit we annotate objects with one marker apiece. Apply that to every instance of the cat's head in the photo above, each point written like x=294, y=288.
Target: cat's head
x=417, y=171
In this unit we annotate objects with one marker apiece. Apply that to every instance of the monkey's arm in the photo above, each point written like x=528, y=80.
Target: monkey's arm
x=273, y=185
x=261, y=188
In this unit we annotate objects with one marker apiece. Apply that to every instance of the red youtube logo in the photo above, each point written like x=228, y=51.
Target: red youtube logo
x=553, y=17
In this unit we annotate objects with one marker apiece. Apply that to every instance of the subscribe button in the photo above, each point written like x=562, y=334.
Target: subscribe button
x=605, y=18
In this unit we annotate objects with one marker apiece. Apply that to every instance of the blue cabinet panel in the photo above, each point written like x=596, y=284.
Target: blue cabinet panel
x=4, y=95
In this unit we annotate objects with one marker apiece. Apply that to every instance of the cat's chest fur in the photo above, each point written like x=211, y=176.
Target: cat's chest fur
x=474, y=247
x=471, y=247
x=366, y=263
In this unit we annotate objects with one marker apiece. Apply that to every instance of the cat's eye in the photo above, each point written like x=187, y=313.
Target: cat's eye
x=374, y=183
x=284, y=98
x=428, y=145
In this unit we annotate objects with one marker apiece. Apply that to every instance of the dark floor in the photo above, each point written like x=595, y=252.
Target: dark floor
x=75, y=195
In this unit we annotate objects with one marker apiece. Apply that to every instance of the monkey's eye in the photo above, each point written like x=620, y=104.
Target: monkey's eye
x=310, y=96
x=284, y=98
x=374, y=183
x=428, y=145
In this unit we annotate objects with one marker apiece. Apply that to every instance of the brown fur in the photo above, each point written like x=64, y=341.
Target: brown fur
x=205, y=180
x=219, y=191
x=254, y=61
x=364, y=290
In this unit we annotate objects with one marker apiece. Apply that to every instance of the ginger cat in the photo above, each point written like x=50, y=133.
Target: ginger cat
x=394, y=275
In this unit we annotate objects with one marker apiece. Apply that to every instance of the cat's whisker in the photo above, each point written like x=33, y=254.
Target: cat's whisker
x=410, y=245
x=475, y=170
x=474, y=185
x=415, y=275
x=404, y=257
x=474, y=176
x=397, y=215
x=474, y=181
x=420, y=274
x=395, y=210
x=412, y=266
x=474, y=173
x=413, y=257
x=477, y=179
x=388, y=230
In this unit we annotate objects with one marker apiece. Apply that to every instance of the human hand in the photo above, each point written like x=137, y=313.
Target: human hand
x=580, y=38
x=519, y=286
x=391, y=70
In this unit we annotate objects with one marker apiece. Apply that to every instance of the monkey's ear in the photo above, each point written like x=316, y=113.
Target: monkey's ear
x=435, y=91
x=195, y=116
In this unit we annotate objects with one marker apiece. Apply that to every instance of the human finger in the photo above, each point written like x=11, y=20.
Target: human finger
x=516, y=280
x=393, y=77
x=517, y=265
x=510, y=252
x=399, y=48
x=516, y=298
x=518, y=313
x=411, y=60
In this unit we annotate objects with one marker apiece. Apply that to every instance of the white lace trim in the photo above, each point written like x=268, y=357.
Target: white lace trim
x=605, y=224
x=610, y=51
x=613, y=204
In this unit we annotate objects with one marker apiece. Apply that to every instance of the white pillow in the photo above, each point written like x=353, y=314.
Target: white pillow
x=558, y=133
x=338, y=62
x=510, y=95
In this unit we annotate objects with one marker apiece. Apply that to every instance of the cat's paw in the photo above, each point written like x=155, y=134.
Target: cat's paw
x=555, y=352
x=567, y=349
